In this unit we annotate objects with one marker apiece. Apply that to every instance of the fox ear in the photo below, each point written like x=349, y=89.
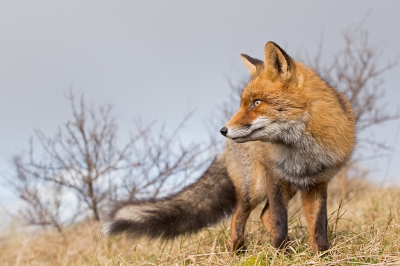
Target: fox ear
x=253, y=65
x=278, y=63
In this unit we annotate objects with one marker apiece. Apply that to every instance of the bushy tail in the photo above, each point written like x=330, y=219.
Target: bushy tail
x=199, y=205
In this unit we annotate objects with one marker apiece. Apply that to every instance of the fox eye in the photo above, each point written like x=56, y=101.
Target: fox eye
x=257, y=103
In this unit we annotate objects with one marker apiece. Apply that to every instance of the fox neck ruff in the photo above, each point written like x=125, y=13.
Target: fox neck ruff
x=299, y=158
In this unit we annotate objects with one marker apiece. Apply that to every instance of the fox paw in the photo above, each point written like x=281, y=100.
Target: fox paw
x=239, y=246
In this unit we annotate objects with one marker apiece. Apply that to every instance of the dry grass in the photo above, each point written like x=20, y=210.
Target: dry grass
x=364, y=229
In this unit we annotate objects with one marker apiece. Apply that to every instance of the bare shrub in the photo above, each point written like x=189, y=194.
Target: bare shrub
x=357, y=72
x=84, y=166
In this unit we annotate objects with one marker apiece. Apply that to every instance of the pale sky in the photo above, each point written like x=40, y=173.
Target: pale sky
x=159, y=59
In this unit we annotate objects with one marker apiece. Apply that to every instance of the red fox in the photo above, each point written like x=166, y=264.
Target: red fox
x=293, y=132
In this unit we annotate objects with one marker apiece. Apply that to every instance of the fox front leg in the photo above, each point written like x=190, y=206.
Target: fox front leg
x=314, y=203
x=268, y=215
x=274, y=215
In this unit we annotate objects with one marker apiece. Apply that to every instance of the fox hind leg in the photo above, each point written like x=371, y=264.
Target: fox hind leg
x=314, y=204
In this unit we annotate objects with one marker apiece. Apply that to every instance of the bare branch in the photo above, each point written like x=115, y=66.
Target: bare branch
x=355, y=71
x=83, y=160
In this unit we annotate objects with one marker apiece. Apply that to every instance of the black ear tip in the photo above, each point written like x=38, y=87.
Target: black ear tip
x=224, y=131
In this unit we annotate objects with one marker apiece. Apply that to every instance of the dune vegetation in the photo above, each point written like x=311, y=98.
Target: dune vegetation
x=364, y=229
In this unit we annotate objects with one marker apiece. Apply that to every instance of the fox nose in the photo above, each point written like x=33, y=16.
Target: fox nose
x=224, y=131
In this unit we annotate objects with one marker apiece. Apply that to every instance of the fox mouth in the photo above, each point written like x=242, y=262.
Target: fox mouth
x=247, y=137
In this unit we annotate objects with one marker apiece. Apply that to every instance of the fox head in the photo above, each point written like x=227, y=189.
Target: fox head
x=270, y=103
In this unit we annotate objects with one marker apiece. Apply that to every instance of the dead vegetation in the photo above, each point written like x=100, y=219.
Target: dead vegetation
x=364, y=228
